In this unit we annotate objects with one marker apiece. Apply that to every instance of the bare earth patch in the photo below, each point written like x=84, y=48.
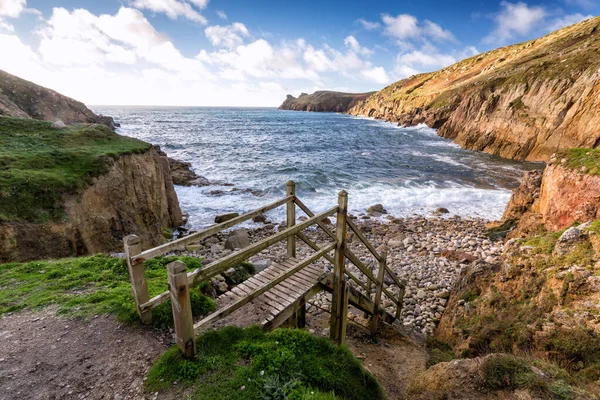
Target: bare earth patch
x=43, y=356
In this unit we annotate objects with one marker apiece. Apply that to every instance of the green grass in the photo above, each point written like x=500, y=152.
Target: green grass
x=581, y=157
x=90, y=285
x=438, y=351
x=284, y=364
x=39, y=165
x=506, y=372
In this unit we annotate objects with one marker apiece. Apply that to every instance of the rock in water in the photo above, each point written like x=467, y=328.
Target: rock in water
x=260, y=218
x=225, y=217
x=376, y=209
x=441, y=210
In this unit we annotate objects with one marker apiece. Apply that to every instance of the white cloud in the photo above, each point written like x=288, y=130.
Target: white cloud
x=427, y=59
x=515, y=19
x=403, y=26
x=435, y=31
x=227, y=36
x=221, y=14
x=376, y=74
x=174, y=8
x=368, y=25
x=353, y=44
x=407, y=27
x=566, y=20
x=12, y=8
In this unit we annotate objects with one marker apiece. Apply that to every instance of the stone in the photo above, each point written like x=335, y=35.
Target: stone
x=238, y=240
x=376, y=208
x=210, y=241
x=225, y=217
x=58, y=125
x=261, y=265
x=444, y=294
x=441, y=210
x=260, y=218
x=229, y=273
x=421, y=294
x=222, y=287
x=193, y=247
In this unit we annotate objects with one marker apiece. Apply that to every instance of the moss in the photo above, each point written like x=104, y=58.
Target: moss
x=438, y=351
x=284, y=364
x=90, y=285
x=500, y=231
x=507, y=372
x=577, y=159
x=39, y=165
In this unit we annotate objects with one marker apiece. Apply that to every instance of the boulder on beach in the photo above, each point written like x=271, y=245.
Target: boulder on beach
x=225, y=217
x=441, y=210
x=238, y=240
x=376, y=210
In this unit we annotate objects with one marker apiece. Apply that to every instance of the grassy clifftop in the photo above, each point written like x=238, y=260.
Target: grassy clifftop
x=39, y=164
x=324, y=101
x=524, y=101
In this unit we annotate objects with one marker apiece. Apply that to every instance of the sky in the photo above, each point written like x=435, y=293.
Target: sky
x=254, y=52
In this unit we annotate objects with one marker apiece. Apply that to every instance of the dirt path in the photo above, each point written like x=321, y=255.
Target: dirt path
x=43, y=356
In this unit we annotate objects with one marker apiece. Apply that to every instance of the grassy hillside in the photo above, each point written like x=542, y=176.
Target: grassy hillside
x=323, y=101
x=39, y=164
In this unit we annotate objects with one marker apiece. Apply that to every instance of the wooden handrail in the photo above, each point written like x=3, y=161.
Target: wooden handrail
x=165, y=248
x=232, y=259
x=363, y=239
x=359, y=264
x=198, y=328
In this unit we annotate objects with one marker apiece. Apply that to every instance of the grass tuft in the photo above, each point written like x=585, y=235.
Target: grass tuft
x=283, y=364
x=91, y=285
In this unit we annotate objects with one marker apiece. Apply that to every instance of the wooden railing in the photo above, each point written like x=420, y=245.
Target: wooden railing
x=180, y=280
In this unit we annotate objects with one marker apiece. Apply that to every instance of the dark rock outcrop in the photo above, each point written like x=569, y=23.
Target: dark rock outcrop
x=524, y=101
x=323, y=101
x=24, y=99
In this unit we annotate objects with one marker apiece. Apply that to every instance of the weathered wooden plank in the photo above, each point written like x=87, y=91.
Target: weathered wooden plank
x=291, y=309
x=400, y=300
x=364, y=239
x=337, y=297
x=200, y=326
x=393, y=275
x=378, y=291
x=137, y=277
x=197, y=236
x=291, y=218
x=218, y=266
x=182, y=308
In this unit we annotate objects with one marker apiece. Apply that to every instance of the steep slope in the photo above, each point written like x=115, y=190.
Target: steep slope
x=323, y=100
x=523, y=101
x=24, y=99
x=79, y=190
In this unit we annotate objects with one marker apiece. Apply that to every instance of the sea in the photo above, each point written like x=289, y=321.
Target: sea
x=251, y=153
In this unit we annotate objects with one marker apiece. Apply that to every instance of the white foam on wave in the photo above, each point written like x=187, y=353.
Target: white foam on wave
x=405, y=201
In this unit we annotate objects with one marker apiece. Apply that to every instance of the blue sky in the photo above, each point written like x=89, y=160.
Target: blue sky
x=252, y=53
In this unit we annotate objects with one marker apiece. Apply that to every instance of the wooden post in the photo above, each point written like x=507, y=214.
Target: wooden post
x=337, y=297
x=301, y=314
x=378, y=290
x=291, y=219
x=369, y=286
x=400, y=299
x=182, y=308
x=137, y=277
x=344, y=322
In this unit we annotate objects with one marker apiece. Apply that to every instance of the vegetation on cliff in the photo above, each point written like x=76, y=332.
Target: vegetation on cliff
x=582, y=160
x=323, y=100
x=523, y=101
x=87, y=286
x=40, y=164
x=235, y=363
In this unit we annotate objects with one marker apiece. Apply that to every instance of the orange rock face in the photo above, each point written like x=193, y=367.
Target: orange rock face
x=568, y=196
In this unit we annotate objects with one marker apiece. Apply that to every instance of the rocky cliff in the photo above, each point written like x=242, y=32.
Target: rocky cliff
x=524, y=101
x=79, y=190
x=542, y=297
x=24, y=99
x=323, y=100
x=135, y=196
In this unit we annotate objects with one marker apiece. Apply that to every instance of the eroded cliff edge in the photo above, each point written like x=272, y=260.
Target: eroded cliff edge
x=524, y=101
x=80, y=190
x=323, y=101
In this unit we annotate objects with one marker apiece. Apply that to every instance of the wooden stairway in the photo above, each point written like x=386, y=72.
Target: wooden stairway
x=279, y=292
